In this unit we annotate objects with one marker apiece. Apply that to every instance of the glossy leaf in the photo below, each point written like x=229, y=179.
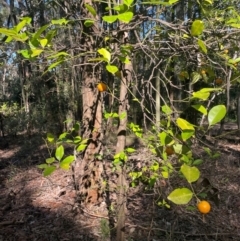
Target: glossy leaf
x=90, y=9
x=202, y=46
x=201, y=95
x=200, y=108
x=195, y=77
x=197, y=162
x=105, y=53
x=192, y=174
x=216, y=114
x=88, y=23
x=186, y=134
x=22, y=24
x=81, y=147
x=167, y=110
x=42, y=166
x=110, y=19
x=55, y=64
x=62, y=21
x=25, y=53
x=40, y=31
x=197, y=28
x=43, y=42
x=36, y=52
x=49, y=170
x=50, y=160
x=184, y=125
x=112, y=68
x=125, y=17
x=180, y=196
x=128, y=2
x=59, y=152
x=65, y=163
x=50, y=137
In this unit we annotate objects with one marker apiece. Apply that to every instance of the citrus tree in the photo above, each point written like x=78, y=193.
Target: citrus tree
x=159, y=66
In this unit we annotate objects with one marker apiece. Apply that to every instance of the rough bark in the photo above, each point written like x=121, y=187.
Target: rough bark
x=121, y=141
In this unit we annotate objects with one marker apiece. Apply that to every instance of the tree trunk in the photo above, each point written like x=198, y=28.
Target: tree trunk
x=121, y=141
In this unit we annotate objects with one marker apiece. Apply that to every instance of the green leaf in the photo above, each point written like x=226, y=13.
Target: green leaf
x=22, y=37
x=105, y=53
x=50, y=137
x=88, y=23
x=186, y=134
x=208, y=2
x=192, y=174
x=90, y=9
x=178, y=148
x=59, y=152
x=130, y=150
x=167, y=110
x=125, y=17
x=234, y=61
x=195, y=77
x=62, y=21
x=43, y=42
x=39, y=32
x=36, y=52
x=197, y=28
x=55, y=64
x=62, y=136
x=81, y=147
x=42, y=166
x=128, y=2
x=172, y=1
x=110, y=19
x=65, y=163
x=201, y=95
x=25, y=53
x=180, y=196
x=8, y=32
x=112, y=68
x=235, y=25
x=50, y=35
x=25, y=20
x=216, y=114
x=50, y=160
x=184, y=125
x=197, y=162
x=202, y=46
x=200, y=108
x=162, y=137
x=49, y=170
x=124, y=60
x=77, y=140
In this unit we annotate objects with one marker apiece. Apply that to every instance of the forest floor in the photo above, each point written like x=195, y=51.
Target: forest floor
x=35, y=208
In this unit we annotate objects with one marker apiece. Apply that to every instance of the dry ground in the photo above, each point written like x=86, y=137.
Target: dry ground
x=35, y=208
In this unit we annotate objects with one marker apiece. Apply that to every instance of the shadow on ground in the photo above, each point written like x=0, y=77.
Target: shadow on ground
x=36, y=208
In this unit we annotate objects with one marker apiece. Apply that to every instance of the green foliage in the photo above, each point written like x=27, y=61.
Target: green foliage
x=216, y=114
x=180, y=196
x=197, y=28
x=57, y=144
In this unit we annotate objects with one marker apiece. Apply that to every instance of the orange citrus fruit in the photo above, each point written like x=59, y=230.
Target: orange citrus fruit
x=204, y=207
x=169, y=150
x=102, y=87
x=218, y=81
